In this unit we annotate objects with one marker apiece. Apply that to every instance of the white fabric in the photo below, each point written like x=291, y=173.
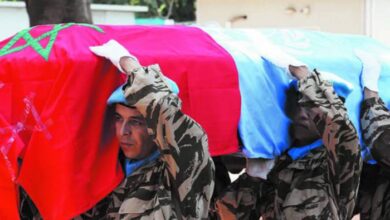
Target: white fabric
x=259, y=167
x=371, y=70
x=275, y=54
x=113, y=51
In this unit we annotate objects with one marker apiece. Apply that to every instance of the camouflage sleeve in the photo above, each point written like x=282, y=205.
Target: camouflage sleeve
x=245, y=198
x=375, y=122
x=27, y=208
x=96, y=212
x=339, y=136
x=181, y=140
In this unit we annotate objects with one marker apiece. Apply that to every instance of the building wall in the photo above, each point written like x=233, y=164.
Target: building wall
x=16, y=17
x=340, y=16
x=380, y=21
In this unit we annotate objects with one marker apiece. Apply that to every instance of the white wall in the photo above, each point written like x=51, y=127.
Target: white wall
x=13, y=16
x=370, y=17
x=115, y=14
x=380, y=20
x=327, y=15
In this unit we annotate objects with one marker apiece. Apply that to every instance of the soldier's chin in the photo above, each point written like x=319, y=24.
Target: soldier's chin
x=129, y=152
x=131, y=155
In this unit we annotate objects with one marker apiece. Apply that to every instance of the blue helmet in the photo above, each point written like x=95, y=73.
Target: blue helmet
x=118, y=97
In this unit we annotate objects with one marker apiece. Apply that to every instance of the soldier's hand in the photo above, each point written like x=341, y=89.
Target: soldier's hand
x=259, y=167
x=114, y=51
x=371, y=70
x=299, y=72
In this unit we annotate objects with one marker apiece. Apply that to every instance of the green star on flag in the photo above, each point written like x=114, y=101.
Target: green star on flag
x=34, y=42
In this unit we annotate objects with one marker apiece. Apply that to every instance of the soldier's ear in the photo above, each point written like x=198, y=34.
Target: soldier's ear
x=291, y=103
x=342, y=99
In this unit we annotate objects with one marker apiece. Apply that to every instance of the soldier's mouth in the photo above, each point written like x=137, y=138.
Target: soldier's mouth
x=126, y=144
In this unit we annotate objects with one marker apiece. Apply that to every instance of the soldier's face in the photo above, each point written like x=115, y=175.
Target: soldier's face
x=303, y=128
x=132, y=134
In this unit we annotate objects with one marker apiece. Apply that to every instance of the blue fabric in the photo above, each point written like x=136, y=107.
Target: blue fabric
x=299, y=152
x=131, y=166
x=342, y=87
x=262, y=95
x=118, y=97
x=263, y=125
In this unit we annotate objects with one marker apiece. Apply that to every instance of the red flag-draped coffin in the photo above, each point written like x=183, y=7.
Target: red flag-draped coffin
x=53, y=85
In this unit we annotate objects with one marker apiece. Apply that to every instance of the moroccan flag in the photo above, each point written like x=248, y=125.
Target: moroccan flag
x=58, y=89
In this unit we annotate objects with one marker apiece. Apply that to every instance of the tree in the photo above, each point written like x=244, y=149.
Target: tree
x=184, y=10
x=178, y=10
x=58, y=11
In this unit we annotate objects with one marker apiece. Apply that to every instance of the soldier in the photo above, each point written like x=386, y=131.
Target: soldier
x=322, y=182
x=318, y=177
x=169, y=172
x=374, y=191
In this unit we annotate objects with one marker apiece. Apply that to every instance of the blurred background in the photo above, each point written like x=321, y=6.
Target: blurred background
x=365, y=17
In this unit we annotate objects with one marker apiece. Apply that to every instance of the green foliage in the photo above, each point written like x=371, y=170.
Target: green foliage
x=184, y=10
x=113, y=2
x=179, y=10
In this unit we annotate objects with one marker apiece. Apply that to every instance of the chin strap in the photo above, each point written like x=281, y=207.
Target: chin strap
x=301, y=151
x=132, y=165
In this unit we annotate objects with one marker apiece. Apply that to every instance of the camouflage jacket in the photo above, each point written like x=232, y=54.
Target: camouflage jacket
x=375, y=121
x=179, y=184
x=374, y=190
x=246, y=198
x=324, y=183
x=321, y=185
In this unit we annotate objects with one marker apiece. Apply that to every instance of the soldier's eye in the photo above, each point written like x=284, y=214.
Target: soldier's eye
x=118, y=118
x=136, y=123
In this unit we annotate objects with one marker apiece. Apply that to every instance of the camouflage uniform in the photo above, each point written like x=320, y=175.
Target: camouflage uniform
x=323, y=184
x=179, y=184
x=374, y=191
x=27, y=209
x=245, y=199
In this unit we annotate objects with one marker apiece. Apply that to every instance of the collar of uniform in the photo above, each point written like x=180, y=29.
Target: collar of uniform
x=301, y=151
x=131, y=165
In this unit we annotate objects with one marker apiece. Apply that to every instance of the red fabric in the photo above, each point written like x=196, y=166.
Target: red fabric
x=204, y=71
x=8, y=169
x=68, y=173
